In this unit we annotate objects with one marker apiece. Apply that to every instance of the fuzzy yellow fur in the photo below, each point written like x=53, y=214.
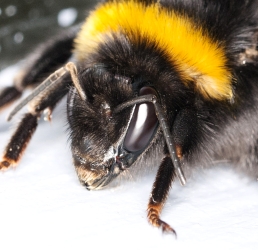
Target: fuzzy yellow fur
x=187, y=45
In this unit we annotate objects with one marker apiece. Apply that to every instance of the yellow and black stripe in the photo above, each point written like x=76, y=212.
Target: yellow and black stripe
x=188, y=46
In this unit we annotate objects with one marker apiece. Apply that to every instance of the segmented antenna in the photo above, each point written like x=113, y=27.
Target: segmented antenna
x=52, y=79
x=70, y=67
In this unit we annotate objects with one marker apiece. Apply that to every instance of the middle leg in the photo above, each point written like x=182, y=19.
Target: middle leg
x=28, y=124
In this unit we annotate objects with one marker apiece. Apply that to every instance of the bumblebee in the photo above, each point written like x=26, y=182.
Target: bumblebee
x=149, y=83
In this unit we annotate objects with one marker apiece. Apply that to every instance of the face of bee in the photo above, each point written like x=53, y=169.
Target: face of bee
x=105, y=143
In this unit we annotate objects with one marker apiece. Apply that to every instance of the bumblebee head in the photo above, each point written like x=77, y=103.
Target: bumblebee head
x=106, y=142
x=94, y=129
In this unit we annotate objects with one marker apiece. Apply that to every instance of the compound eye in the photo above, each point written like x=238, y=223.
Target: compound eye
x=142, y=125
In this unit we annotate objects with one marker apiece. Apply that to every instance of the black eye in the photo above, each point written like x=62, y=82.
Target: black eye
x=142, y=125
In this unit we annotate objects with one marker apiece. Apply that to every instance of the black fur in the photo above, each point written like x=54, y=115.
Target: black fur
x=198, y=123
x=203, y=130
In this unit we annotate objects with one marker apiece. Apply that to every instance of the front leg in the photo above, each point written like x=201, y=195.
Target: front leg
x=161, y=186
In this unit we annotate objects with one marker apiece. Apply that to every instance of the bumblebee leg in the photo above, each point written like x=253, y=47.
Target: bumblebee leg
x=46, y=59
x=19, y=141
x=28, y=124
x=161, y=186
x=51, y=97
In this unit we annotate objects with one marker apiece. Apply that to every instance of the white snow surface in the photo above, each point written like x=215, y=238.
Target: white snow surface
x=43, y=205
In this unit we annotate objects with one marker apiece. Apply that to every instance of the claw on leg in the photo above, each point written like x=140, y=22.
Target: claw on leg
x=154, y=219
x=161, y=186
x=6, y=163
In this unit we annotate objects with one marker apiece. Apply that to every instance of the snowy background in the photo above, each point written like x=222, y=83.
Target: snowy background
x=43, y=205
